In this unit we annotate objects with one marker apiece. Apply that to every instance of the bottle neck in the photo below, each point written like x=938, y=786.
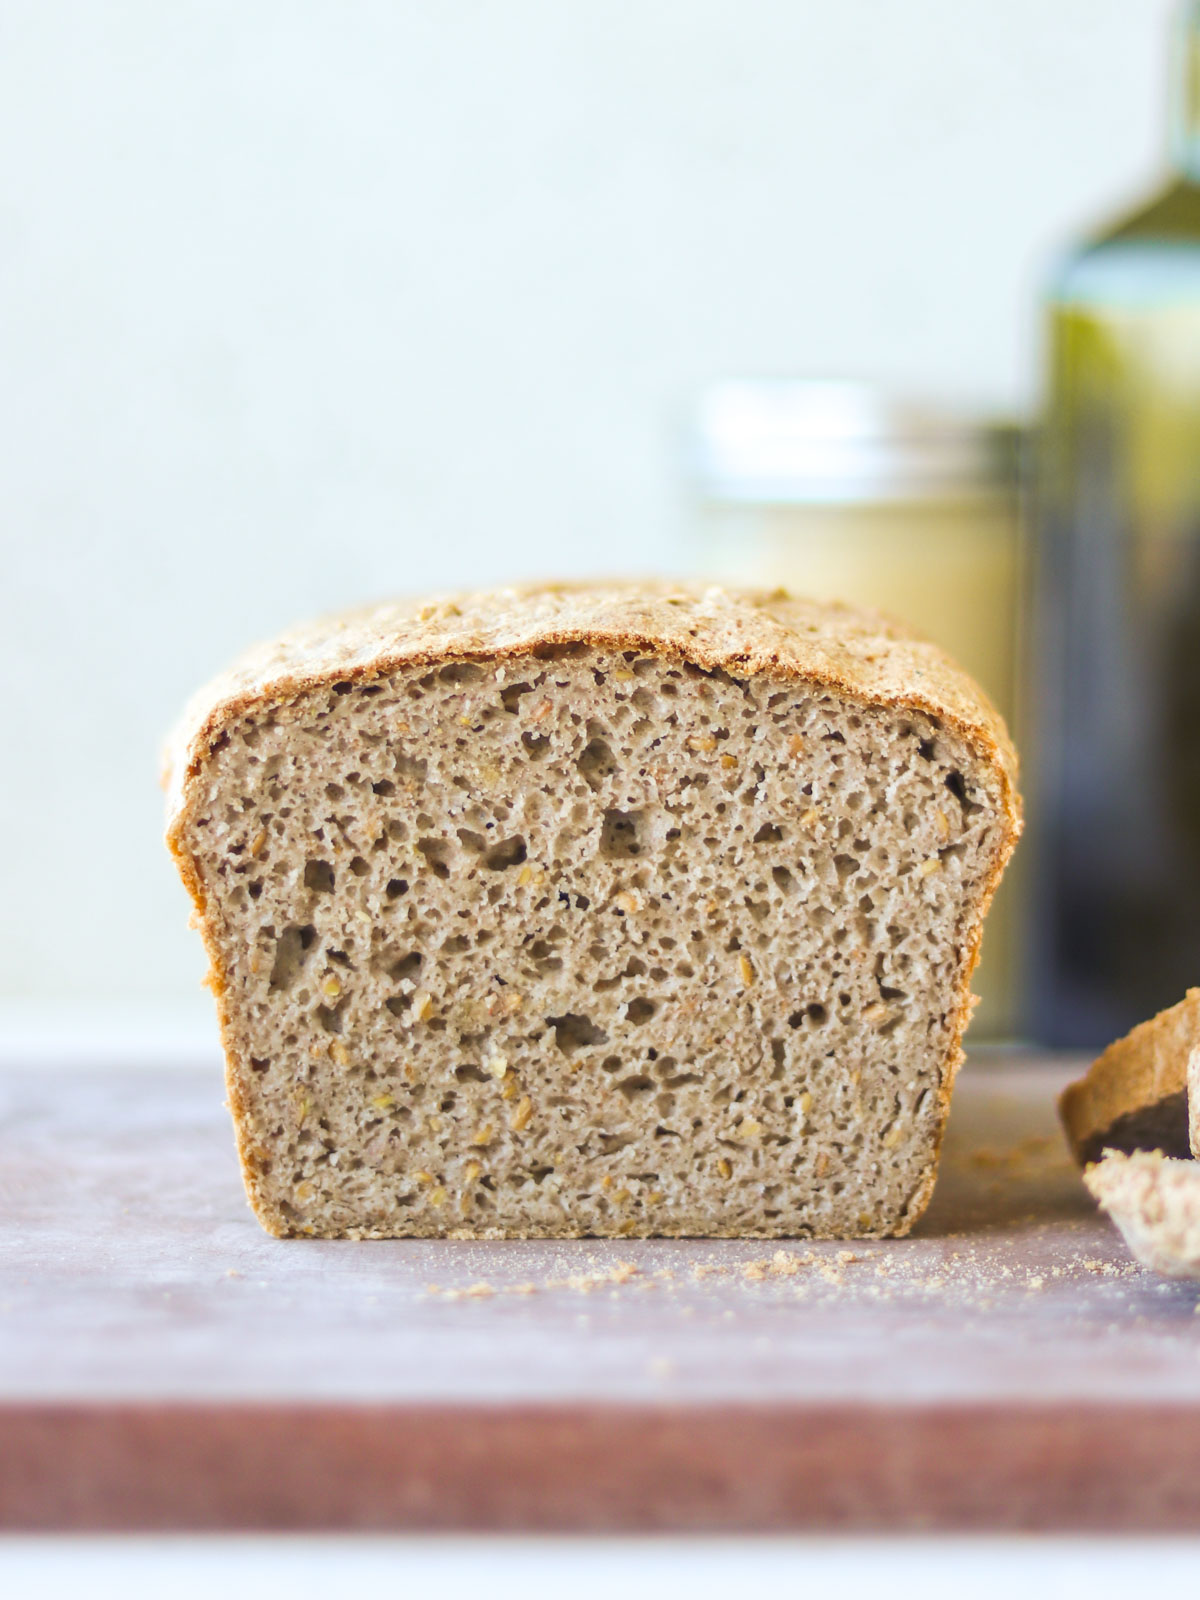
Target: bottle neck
x=1185, y=92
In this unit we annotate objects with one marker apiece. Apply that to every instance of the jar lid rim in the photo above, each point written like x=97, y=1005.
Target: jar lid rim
x=802, y=440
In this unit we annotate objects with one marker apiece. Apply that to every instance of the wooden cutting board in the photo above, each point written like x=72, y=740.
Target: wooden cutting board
x=165, y=1365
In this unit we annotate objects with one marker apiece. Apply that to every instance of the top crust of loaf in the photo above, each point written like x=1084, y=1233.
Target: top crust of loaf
x=858, y=652
x=1141, y=1082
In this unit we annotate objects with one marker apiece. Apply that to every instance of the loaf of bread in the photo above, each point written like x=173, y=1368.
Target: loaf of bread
x=635, y=910
x=1134, y=1096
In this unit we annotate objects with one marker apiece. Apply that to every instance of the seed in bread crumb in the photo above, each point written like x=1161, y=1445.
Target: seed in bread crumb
x=482, y=1135
x=927, y=868
x=437, y=1197
x=746, y=970
x=505, y=1003
x=724, y=1168
x=520, y=1117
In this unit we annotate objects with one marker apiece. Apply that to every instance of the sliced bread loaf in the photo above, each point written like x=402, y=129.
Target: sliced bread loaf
x=611, y=911
x=1134, y=1096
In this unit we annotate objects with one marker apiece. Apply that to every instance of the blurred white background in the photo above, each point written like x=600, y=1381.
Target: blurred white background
x=303, y=303
x=588, y=1568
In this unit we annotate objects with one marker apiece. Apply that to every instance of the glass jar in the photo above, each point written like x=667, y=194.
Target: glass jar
x=838, y=492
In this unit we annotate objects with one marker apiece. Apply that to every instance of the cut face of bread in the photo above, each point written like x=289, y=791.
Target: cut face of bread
x=1135, y=1095
x=605, y=912
x=1155, y=1201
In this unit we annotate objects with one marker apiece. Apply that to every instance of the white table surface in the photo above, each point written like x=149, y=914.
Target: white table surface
x=594, y=1569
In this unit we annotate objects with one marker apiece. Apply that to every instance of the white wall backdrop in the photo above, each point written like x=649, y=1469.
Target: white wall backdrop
x=303, y=301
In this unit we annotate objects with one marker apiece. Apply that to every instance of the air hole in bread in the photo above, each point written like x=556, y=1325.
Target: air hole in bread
x=292, y=950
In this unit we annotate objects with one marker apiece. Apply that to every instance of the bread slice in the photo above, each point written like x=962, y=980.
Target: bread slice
x=1155, y=1201
x=1135, y=1095
x=601, y=911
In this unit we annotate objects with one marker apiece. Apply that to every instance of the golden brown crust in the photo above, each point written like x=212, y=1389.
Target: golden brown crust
x=859, y=653
x=1146, y=1068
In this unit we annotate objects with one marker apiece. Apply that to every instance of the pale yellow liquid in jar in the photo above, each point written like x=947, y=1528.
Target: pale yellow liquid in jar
x=947, y=568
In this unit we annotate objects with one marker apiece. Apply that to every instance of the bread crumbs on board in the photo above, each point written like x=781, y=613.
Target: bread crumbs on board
x=965, y=1277
x=974, y=1272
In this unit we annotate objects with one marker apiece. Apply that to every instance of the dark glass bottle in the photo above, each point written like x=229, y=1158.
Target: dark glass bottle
x=1115, y=685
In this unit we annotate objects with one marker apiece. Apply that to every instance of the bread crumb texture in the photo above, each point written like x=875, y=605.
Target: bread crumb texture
x=613, y=912
x=1155, y=1202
